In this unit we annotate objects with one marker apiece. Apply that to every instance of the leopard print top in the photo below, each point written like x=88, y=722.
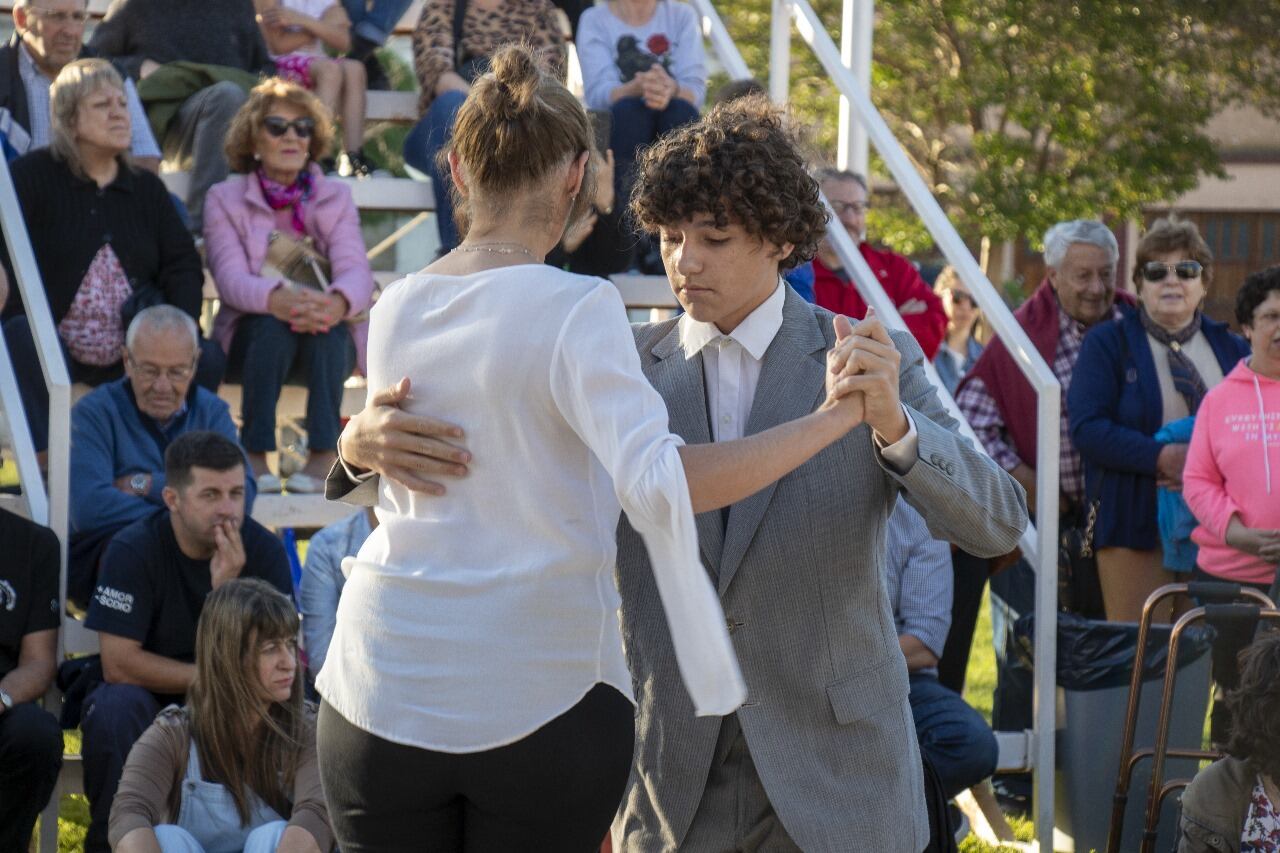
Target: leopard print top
x=483, y=32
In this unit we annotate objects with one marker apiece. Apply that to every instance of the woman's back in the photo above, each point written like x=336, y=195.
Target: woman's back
x=514, y=567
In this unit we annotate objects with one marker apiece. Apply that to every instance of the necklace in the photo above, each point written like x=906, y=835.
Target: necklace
x=497, y=248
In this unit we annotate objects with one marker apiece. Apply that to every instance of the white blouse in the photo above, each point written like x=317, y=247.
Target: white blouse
x=471, y=620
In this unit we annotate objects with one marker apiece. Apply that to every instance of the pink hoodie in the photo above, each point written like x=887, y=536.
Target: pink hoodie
x=1233, y=468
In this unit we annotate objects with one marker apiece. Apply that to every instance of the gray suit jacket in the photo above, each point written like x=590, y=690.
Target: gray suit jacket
x=798, y=570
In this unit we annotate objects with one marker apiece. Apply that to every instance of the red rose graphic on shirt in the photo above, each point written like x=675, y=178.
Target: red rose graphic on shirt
x=658, y=44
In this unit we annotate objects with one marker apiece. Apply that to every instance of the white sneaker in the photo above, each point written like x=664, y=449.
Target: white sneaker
x=304, y=484
x=268, y=484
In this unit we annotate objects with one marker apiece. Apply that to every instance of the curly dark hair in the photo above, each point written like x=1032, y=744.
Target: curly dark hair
x=740, y=163
x=1255, y=290
x=1255, y=707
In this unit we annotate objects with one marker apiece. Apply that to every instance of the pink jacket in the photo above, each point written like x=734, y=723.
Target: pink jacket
x=1233, y=468
x=237, y=223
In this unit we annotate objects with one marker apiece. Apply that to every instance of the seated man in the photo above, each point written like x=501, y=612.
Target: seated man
x=142, y=35
x=30, y=737
x=918, y=579
x=323, y=579
x=119, y=433
x=152, y=586
x=48, y=35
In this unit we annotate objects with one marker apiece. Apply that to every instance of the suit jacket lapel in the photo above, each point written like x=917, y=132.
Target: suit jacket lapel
x=682, y=384
x=791, y=385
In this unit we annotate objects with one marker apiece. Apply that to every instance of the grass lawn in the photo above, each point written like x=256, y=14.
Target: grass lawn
x=73, y=811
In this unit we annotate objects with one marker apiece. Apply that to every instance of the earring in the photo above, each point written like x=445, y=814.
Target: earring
x=257, y=156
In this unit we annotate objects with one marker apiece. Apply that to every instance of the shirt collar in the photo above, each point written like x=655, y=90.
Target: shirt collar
x=27, y=62
x=754, y=334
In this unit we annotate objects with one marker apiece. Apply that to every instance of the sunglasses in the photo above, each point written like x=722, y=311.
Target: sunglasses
x=1157, y=271
x=961, y=298
x=277, y=126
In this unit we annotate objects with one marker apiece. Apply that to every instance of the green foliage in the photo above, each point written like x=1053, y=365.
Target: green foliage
x=1021, y=113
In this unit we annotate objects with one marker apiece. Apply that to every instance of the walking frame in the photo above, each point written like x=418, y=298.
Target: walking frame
x=1212, y=594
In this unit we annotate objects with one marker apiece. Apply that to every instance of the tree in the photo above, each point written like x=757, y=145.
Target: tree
x=1021, y=113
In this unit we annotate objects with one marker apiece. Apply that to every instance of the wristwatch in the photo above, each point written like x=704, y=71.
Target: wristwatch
x=6, y=700
x=140, y=483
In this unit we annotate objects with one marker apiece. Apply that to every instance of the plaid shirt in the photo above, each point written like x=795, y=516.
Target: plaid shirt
x=979, y=408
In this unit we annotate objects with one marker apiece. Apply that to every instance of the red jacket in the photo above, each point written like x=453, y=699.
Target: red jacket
x=834, y=291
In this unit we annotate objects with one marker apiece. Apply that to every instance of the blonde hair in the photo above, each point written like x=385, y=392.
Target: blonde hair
x=246, y=749
x=75, y=82
x=518, y=124
x=242, y=136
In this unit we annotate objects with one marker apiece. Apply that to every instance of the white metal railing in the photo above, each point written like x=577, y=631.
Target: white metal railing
x=44, y=507
x=1039, y=544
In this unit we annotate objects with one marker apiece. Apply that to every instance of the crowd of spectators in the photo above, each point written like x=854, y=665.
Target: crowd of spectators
x=1160, y=402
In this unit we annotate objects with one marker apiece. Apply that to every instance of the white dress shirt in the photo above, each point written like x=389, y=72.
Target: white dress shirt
x=731, y=364
x=470, y=621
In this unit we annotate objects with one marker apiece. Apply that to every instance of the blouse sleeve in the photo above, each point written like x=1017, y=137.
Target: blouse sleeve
x=598, y=386
x=688, y=58
x=142, y=800
x=433, y=48
x=600, y=74
x=309, y=811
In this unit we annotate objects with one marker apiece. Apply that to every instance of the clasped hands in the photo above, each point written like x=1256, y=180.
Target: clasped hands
x=657, y=87
x=306, y=310
x=862, y=377
x=419, y=452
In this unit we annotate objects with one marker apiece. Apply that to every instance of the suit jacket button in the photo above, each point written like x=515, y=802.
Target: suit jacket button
x=951, y=469
x=731, y=624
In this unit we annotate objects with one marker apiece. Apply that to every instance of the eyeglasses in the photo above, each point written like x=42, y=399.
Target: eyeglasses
x=1157, y=270
x=61, y=18
x=277, y=126
x=843, y=207
x=149, y=373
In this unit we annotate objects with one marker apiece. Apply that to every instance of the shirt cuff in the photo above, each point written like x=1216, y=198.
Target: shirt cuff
x=351, y=474
x=904, y=452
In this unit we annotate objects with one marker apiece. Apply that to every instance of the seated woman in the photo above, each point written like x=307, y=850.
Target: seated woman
x=447, y=58
x=289, y=329
x=1135, y=374
x=1234, y=804
x=297, y=32
x=642, y=60
x=236, y=768
x=106, y=237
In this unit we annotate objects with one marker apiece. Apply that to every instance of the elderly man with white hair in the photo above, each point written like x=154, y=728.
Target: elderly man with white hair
x=119, y=433
x=1078, y=292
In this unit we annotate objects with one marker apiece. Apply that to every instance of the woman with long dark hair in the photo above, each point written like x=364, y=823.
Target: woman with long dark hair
x=235, y=769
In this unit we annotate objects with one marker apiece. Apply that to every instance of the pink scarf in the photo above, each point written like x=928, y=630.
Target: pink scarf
x=295, y=195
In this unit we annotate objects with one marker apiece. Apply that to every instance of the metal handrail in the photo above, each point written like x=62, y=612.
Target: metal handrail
x=1038, y=543
x=50, y=507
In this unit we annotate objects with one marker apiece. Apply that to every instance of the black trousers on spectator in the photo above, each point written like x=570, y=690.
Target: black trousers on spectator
x=35, y=395
x=30, y=758
x=115, y=716
x=970, y=574
x=557, y=789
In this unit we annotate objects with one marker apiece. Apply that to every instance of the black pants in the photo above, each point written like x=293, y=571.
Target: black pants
x=556, y=789
x=30, y=758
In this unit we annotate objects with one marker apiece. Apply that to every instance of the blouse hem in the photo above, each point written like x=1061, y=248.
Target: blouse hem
x=379, y=731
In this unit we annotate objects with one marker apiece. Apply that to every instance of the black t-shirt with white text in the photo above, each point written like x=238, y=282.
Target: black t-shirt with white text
x=28, y=584
x=149, y=591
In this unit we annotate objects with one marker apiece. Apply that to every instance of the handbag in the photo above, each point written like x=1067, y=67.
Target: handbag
x=1079, y=588
x=296, y=259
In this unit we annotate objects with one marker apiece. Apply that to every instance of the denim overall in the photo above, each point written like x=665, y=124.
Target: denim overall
x=208, y=821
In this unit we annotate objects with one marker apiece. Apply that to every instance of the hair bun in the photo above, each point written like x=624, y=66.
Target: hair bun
x=517, y=76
